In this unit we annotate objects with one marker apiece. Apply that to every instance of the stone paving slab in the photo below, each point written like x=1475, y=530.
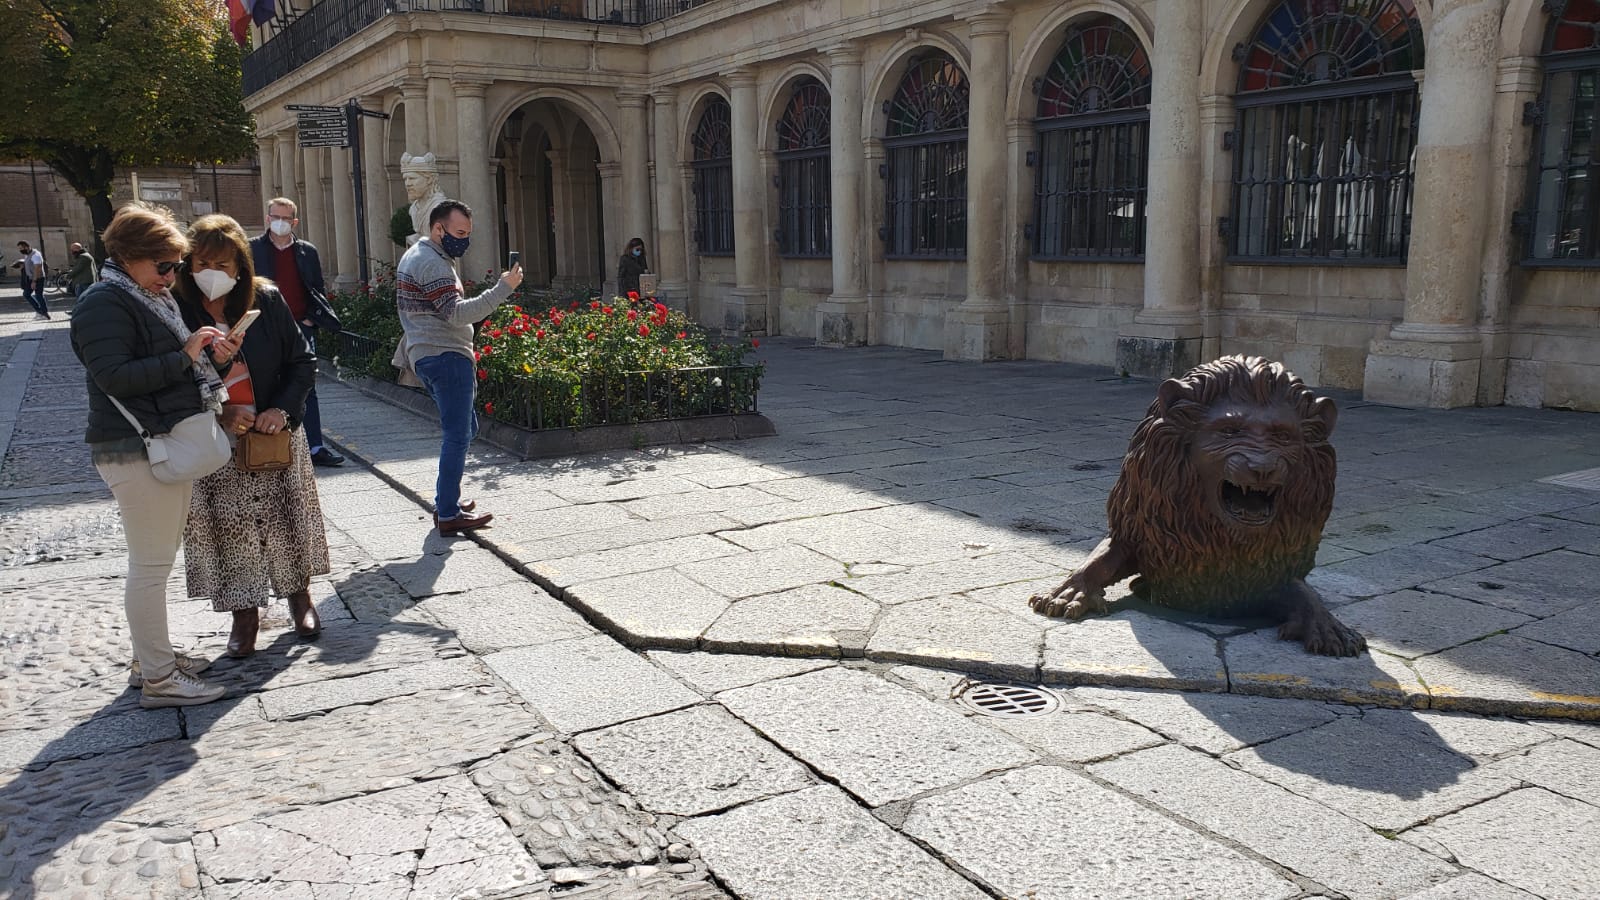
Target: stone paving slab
x=692, y=762
x=308, y=699
x=879, y=741
x=1323, y=845
x=660, y=609
x=588, y=683
x=1260, y=663
x=1215, y=723
x=1533, y=839
x=1102, y=845
x=1133, y=649
x=816, y=843
x=66, y=739
x=1507, y=674
x=717, y=672
x=504, y=616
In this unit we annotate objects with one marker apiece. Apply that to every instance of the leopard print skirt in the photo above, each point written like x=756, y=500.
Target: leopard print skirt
x=253, y=536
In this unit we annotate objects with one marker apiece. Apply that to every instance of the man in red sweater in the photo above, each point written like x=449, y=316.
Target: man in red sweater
x=294, y=266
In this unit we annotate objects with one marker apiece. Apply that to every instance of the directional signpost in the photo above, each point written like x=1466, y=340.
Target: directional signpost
x=339, y=126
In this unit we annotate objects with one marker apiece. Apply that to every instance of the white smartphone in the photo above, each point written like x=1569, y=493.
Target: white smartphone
x=243, y=324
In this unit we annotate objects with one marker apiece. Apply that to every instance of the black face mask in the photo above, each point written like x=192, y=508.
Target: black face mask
x=454, y=247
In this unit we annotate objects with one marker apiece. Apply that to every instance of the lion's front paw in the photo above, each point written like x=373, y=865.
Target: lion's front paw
x=1324, y=635
x=1073, y=600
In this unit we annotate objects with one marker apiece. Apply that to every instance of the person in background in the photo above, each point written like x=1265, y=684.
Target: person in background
x=631, y=266
x=252, y=535
x=294, y=266
x=437, y=347
x=135, y=347
x=33, y=275
x=81, y=274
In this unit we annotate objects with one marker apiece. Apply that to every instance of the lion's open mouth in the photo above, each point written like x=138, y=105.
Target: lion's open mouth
x=1249, y=506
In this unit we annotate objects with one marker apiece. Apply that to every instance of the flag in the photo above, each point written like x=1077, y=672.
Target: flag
x=239, y=21
x=262, y=11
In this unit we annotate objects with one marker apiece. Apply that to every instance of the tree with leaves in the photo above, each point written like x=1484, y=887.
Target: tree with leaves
x=93, y=86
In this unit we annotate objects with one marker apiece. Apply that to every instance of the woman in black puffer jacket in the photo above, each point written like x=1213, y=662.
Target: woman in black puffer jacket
x=133, y=343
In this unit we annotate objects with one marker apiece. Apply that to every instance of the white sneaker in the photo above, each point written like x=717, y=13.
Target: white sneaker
x=178, y=689
x=194, y=665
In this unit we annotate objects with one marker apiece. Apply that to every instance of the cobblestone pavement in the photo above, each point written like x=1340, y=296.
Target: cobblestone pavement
x=460, y=731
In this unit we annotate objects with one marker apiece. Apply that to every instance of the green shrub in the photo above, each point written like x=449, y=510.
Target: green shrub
x=400, y=226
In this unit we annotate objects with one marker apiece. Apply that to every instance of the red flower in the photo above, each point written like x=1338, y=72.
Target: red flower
x=483, y=374
x=633, y=314
x=644, y=330
x=633, y=295
x=517, y=309
x=662, y=348
x=476, y=356
x=755, y=343
x=539, y=335
x=496, y=333
x=590, y=336
x=682, y=335
x=488, y=407
x=594, y=304
x=607, y=310
x=487, y=349
x=661, y=309
x=574, y=304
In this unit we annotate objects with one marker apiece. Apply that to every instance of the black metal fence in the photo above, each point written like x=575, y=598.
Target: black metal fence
x=326, y=24
x=537, y=401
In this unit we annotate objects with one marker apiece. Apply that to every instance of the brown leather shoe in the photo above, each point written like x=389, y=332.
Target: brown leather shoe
x=466, y=507
x=307, y=623
x=464, y=522
x=242, y=640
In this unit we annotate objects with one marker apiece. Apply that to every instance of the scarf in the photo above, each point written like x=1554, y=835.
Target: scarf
x=212, y=392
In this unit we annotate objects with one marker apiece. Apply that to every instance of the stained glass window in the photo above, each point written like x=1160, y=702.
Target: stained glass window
x=805, y=223
x=713, y=179
x=1565, y=212
x=926, y=145
x=1093, y=124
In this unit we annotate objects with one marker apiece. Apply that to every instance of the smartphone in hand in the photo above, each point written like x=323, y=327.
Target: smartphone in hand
x=244, y=323
x=514, y=260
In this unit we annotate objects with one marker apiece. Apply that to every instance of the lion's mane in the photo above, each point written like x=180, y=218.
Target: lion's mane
x=1186, y=557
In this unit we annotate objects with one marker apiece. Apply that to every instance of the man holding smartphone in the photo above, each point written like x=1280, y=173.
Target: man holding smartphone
x=296, y=268
x=437, y=346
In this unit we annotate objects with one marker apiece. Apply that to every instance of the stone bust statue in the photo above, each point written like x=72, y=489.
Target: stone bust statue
x=421, y=176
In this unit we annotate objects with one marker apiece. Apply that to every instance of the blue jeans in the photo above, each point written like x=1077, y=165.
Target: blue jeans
x=33, y=292
x=312, y=420
x=450, y=380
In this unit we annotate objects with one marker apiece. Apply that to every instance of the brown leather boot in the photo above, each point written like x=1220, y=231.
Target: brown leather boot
x=242, y=640
x=304, y=615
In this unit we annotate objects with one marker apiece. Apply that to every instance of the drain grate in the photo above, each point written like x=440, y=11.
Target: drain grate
x=1009, y=701
x=1585, y=480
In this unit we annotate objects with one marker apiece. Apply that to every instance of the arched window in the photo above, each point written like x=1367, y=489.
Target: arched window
x=1093, y=122
x=1565, y=215
x=927, y=161
x=713, y=179
x=804, y=177
x=1327, y=132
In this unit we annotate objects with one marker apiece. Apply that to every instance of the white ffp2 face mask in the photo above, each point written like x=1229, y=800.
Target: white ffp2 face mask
x=280, y=227
x=214, y=282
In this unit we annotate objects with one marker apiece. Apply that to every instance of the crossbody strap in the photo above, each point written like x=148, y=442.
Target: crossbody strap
x=144, y=433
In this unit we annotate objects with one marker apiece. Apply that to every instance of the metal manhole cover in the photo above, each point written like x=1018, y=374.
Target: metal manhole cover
x=1010, y=701
x=1586, y=480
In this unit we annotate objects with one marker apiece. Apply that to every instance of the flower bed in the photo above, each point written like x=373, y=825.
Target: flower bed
x=564, y=362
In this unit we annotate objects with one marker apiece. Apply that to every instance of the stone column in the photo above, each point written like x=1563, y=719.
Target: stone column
x=669, y=253
x=1518, y=382
x=635, y=220
x=611, y=222
x=266, y=149
x=1432, y=358
x=842, y=318
x=344, y=220
x=414, y=94
x=1217, y=117
x=375, y=182
x=562, y=267
x=1164, y=338
x=314, y=215
x=691, y=265
x=745, y=310
x=285, y=158
x=978, y=328
x=477, y=183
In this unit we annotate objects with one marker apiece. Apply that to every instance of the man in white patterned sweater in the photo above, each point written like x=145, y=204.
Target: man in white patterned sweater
x=437, y=346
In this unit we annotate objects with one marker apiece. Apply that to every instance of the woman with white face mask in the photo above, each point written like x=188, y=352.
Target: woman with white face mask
x=252, y=535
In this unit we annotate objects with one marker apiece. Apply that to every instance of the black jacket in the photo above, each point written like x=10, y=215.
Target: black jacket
x=263, y=256
x=629, y=268
x=129, y=353
x=282, y=367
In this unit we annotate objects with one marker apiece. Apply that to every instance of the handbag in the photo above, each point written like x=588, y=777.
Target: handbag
x=260, y=452
x=648, y=283
x=193, y=449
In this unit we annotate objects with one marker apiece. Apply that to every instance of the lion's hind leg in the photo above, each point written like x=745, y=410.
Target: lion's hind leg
x=1306, y=620
x=1084, y=591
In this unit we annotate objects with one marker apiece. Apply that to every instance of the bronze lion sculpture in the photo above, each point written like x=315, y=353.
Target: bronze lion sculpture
x=1220, y=505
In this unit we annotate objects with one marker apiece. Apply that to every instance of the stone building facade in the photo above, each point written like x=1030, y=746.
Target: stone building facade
x=1392, y=196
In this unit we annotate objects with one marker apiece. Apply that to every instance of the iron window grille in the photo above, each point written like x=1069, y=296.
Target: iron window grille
x=1325, y=146
x=1565, y=214
x=713, y=179
x=805, y=189
x=926, y=167
x=1093, y=126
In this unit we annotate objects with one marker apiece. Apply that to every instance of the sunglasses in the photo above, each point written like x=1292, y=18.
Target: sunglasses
x=167, y=267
